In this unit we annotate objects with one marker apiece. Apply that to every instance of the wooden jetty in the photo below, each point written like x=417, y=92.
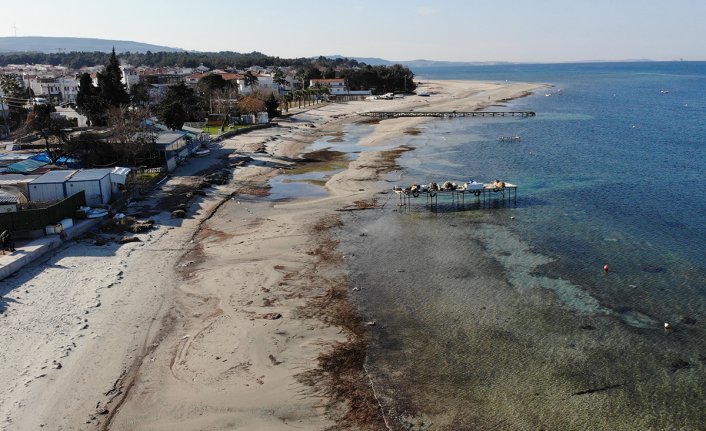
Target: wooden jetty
x=446, y=114
x=483, y=197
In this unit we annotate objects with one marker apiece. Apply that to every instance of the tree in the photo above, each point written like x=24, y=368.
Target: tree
x=279, y=79
x=52, y=130
x=89, y=101
x=251, y=104
x=14, y=99
x=131, y=140
x=250, y=80
x=271, y=105
x=191, y=104
x=174, y=116
x=112, y=90
x=288, y=100
x=211, y=85
x=140, y=94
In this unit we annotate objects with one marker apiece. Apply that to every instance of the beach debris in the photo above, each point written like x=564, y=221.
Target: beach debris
x=185, y=337
x=270, y=316
x=601, y=389
x=217, y=178
x=355, y=289
x=680, y=364
x=128, y=239
x=653, y=269
x=687, y=320
x=127, y=224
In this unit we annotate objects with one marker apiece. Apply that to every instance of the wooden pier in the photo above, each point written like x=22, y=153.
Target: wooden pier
x=445, y=114
x=483, y=197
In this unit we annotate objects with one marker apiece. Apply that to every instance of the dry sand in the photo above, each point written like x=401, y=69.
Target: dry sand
x=210, y=322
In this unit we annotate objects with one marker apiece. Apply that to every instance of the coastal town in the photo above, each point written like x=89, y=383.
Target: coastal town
x=114, y=131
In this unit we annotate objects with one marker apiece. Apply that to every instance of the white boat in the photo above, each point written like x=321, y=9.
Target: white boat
x=96, y=213
x=474, y=186
x=202, y=152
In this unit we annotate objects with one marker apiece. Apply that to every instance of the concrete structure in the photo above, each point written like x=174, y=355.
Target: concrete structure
x=30, y=252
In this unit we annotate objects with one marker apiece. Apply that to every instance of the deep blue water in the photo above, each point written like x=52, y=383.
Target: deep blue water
x=502, y=318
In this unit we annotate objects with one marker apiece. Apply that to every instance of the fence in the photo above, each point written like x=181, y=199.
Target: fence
x=39, y=218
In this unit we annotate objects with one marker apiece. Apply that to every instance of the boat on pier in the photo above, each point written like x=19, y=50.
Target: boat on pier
x=446, y=114
x=483, y=192
x=515, y=138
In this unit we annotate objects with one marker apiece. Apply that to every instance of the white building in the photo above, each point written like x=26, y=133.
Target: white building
x=130, y=76
x=337, y=87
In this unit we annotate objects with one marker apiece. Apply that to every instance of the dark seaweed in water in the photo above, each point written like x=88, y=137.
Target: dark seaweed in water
x=653, y=269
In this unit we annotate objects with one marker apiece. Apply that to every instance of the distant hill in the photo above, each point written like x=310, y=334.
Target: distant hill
x=374, y=61
x=79, y=44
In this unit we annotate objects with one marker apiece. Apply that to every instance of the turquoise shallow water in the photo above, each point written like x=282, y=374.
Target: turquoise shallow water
x=503, y=318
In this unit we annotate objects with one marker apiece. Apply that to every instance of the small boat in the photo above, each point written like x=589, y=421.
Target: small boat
x=423, y=94
x=515, y=138
x=96, y=213
x=664, y=92
x=202, y=152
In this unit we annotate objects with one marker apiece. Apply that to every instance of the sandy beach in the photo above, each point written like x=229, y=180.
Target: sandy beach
x=218, y=320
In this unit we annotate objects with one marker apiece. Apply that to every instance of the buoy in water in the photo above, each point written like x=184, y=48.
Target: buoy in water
x=666, y=326
x=606, y=268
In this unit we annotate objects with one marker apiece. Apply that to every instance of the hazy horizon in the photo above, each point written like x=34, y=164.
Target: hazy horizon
x=545, y=31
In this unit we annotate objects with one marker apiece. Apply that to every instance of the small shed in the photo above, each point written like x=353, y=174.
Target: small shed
x=49, y=187
x=57, y=185
x=8, y=202
x=172, y=145
x=94, y=182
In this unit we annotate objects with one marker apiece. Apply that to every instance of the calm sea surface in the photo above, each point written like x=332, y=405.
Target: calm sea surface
x=502, y=318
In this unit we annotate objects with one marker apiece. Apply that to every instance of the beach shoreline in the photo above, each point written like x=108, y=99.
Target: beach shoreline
x=211, y=321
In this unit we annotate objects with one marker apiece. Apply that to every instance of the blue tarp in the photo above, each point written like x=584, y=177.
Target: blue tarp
x=68, y=161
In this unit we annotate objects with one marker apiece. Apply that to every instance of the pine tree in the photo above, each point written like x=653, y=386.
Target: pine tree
x=110, y=83
x=89, y=101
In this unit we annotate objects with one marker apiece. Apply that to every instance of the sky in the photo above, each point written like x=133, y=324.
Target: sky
x=451, y=30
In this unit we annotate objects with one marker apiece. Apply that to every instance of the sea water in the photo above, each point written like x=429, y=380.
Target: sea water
x=504, y=318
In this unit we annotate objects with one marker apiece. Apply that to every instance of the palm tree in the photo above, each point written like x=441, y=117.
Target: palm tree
x=287, y=100
x=279, y=79
x=250, y=80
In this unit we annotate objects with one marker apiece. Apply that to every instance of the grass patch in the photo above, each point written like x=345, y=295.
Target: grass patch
x=216, y=130
x=146, y=177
